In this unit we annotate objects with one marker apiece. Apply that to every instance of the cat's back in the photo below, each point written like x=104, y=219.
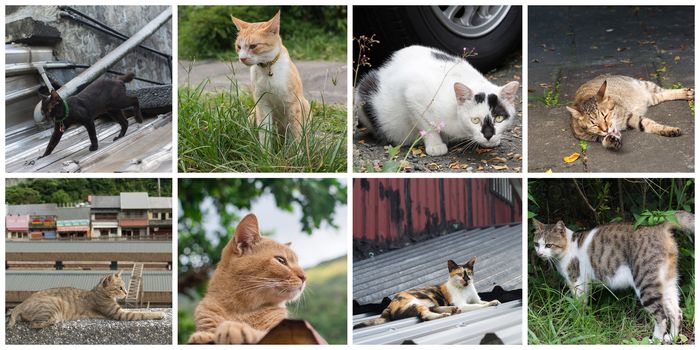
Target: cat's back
x=429, y=66
x=61, y=292
x=627, y=240
x=624, y=90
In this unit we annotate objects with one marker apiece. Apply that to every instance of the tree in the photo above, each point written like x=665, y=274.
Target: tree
x=22, y=195
x=317, y=199
x=61, y=197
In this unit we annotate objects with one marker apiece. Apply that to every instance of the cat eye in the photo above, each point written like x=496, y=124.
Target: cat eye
x=281, y=260
x=537, y=245
x=252, y=46
x=548, y=245
x=476, y=120
x=238, y=47
x=500, y=118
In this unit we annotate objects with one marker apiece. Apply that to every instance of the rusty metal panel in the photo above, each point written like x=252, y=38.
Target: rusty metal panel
x=390, y=212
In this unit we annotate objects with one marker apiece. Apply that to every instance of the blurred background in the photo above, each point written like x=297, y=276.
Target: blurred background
x=310, y=213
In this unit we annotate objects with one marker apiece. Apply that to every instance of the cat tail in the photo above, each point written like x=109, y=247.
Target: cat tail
x=686, y=221
x=384, y=318
x=127, y=77
x=13, y=316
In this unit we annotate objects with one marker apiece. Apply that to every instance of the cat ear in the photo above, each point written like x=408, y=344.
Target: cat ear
x=538, y=225
x=240, y=25
x=288, y=244
x=470, y=263
x=273, y=25
x=463, y=93
x=247, y=234
x=509, y=91
x=118, y=274
x=451, y=265
x=601, y=92
x=561, y=227
x=574, y=112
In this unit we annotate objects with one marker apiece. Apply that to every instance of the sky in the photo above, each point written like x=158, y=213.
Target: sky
x=324, y=244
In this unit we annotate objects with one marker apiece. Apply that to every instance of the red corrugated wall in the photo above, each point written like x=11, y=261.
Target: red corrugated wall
x=386, y=210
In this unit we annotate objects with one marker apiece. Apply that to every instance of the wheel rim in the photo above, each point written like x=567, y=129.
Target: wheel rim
x=471, y=21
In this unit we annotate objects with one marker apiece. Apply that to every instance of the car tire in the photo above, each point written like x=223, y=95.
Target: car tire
x=397, y=27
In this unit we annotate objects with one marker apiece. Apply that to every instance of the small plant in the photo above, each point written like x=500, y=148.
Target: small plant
x=551, y=96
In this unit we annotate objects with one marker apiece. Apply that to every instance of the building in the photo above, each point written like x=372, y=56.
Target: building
x=160, y=216
x=73, y=222
x=133, y=217
x=35, y=221
x=104, y=213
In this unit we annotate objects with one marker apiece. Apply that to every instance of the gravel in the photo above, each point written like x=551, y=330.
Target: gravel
x=95, y=332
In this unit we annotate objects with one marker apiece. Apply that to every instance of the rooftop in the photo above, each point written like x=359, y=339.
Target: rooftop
x=498, y=250
x=32, y=209
x=134, y=200
x=105, y=202
x=160, y=202
x=82, y=213
x=34, y=280
x=87, y=246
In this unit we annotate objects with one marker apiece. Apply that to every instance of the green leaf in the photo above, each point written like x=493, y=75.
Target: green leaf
x=530, y=215
x=583, y=144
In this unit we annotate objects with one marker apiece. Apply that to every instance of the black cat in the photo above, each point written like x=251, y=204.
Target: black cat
x=103, y=96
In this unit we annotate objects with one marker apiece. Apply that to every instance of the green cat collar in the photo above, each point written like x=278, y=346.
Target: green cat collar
x=66, y=110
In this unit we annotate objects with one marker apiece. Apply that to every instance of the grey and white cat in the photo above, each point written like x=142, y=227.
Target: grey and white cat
x=421, y=91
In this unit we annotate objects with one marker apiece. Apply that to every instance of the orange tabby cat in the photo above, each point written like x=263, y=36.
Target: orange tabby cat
x=276, y=83
x=248, y=291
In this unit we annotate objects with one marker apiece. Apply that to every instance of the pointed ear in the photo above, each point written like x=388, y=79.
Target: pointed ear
x=273, y=25
x=288, y=244
x=561, y=227
x=463, y=93
x=54, y=97
x=538, y=225
x=119, y=273
x=574, y=112
x=451, y=265
x=105, y=280
x=470, y=263
x=601, y=92
x=247, y=234
x=240, y=25
x=509, y=92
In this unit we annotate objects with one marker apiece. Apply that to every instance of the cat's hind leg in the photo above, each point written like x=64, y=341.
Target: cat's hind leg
x=672, y=94
x=118, y=116
x=649, y=126
x=445, y=309
x=426, y=315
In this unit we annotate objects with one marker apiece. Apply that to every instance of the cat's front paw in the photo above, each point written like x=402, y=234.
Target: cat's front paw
x=201, y=338
x=494, y=303
x=612, y=142
x=234, y=332
x=436, y=150
x=689, y=93
x=93, y=148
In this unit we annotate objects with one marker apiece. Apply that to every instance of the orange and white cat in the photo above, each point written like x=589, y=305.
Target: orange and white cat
x=246, y=295
x=277, y=87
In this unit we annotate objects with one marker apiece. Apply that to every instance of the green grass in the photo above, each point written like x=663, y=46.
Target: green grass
x=308, y=32
x=324, y=302
x=610, y=317
x=217, y=134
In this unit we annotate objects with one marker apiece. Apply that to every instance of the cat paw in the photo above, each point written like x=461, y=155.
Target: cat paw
x=234, y=332
x=494, y=303
x=612, y=142
x=671, y=132
x=455, y=310
x=201, y=338
x=436, y=150
x=93, y=148
x=117, y=138
x=689, y=93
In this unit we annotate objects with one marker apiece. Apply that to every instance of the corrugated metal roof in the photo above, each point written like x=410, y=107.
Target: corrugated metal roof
x=88, y=246
x=499, y=257
x=134, y=200
x=32, y=209
x=73, y=213
x=105, y=202
x=33, y=280
x=160, y=202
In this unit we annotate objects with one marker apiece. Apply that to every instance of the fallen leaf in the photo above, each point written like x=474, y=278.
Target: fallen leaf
x=362, y=142
x=455, y=165
x=572, y=157
x=404, y=165
x=500, y=167
x=433, y=166
x=498, y=160
x=480, y=168
x=417, y=151
x=483, y=150
x=548, y=171
x=677, y=59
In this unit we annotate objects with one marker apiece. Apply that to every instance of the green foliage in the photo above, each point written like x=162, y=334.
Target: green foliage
x=217, y=133
x=37, y=191
x=554, y=316
x=324, y=302
x=308, y=32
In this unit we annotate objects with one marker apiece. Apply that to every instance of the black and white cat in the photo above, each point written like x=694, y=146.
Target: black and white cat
x=421, y=91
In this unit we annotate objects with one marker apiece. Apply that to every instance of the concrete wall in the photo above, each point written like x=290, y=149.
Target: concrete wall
x=84, y=45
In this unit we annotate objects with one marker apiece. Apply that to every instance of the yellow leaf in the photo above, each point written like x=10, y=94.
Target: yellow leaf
x=571, y=158
x=500, y=167
x=548, y=171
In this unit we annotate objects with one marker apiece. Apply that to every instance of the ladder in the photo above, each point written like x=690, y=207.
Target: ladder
x=133, y=295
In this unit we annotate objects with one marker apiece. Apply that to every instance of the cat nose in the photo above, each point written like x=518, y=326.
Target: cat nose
x=301, y=276
x=245, y=59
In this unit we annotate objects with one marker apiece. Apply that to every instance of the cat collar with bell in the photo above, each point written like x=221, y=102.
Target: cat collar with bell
x=66, y=111
x=268, y=65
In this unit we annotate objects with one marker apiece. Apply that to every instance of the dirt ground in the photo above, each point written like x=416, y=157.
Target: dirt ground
x=568, y=46
x=369, y=154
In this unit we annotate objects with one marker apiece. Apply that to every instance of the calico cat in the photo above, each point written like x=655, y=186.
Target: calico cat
x=608, y=104
x=277, y=87
x=619, y=256
x=247, y=294
x=103, y=96
x=452, y=297
x=48, y=307
x=424, y=91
